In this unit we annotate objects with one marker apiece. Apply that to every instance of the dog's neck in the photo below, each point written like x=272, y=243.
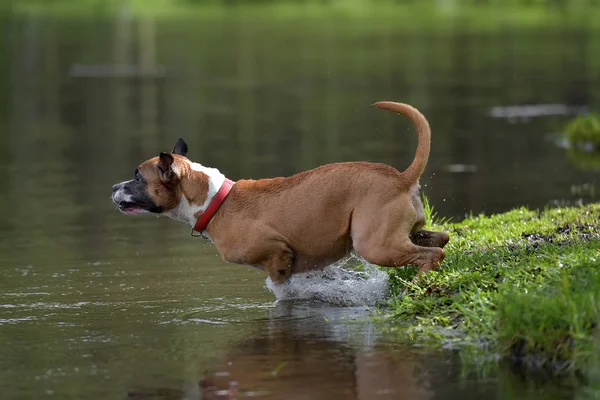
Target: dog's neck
x=187, y=211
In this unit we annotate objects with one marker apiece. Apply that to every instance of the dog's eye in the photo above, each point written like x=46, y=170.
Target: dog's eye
x=136, y=176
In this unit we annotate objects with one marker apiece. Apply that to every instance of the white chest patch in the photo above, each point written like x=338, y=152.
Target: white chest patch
x=185, y=211
x=215, y=181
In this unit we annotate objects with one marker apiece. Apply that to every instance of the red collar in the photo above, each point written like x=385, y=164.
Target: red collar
x=214, y=205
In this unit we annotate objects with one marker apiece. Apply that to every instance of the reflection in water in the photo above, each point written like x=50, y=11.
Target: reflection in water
x=528, y=111
x=315, y=351
x=307, y=350
x=319, y=353
x=584, y=160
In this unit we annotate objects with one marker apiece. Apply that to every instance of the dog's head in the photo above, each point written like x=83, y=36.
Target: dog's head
x=169, y=184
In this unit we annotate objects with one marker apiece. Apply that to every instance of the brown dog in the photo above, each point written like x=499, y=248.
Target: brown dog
x=299, y=223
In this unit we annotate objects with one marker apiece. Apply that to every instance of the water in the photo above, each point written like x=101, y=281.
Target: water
x=338, y=284
x=97, y=305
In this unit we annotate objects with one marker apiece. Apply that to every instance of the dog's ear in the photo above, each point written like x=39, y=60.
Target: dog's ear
x=165, y=163
x=180, y=147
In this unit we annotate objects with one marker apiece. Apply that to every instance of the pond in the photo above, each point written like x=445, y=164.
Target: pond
x=97, y=305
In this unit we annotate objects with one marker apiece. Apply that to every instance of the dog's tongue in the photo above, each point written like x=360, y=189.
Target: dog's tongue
x=133, y=210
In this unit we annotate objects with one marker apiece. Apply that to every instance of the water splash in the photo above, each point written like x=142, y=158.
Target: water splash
x=337, y=284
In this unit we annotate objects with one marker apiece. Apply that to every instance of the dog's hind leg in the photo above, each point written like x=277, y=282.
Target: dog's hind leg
x=386, y=240
x=429, y=238
x=401, y=254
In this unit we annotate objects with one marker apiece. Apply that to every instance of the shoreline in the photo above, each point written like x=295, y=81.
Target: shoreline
x=523, y=284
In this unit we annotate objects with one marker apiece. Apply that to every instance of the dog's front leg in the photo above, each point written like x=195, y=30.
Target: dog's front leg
x=279, y=265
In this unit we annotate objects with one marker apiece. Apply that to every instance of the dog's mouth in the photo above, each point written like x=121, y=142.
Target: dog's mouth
x=133, y=207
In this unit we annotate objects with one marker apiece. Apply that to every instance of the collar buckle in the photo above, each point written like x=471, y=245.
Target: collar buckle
x=195, y=234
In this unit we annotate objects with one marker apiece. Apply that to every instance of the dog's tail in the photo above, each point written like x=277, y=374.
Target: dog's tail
x=419, y=163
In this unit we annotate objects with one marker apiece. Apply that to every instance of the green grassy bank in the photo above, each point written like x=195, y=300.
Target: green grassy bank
x=524, y=284
x=399, y=15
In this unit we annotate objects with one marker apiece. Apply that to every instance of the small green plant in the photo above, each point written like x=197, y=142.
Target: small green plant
x=584, y=131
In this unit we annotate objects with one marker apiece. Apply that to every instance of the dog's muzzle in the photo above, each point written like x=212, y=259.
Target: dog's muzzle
x=130, y=202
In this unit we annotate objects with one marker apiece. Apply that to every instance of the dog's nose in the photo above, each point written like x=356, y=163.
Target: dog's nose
x=115, y=188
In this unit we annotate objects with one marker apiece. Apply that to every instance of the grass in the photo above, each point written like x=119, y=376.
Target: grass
x=399, y=15
x=523, y=284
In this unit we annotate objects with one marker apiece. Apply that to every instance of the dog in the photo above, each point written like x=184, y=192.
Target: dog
x=304, y=222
